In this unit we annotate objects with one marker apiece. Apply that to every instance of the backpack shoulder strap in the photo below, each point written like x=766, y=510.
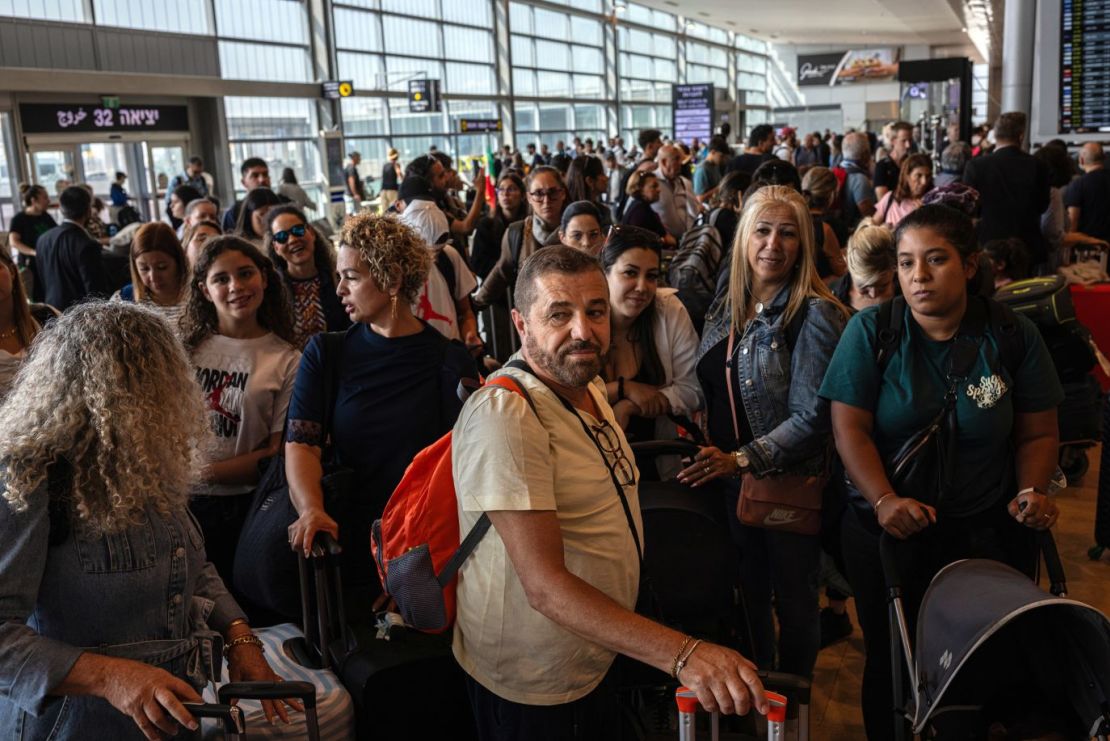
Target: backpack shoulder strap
x=892, y=314
x=1007, y=333
x=447, y=269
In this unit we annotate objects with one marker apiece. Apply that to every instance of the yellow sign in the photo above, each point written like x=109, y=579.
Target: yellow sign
x=345, y=89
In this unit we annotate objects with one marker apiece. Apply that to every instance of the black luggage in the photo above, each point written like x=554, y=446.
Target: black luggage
x=1080, y=413
x=1046, y=301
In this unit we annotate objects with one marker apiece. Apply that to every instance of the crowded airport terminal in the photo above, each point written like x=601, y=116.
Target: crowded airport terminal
x=554, y=370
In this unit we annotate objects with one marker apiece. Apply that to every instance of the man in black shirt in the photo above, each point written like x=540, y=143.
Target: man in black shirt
x=1014, y=189
x=1088, y=197
x=356, y=192
x=887, y=169
x=391, y=180
x=760, y=143
x=69, y=259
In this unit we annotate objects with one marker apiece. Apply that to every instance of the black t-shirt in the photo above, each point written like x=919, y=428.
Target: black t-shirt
x=1091, y=195
x=886, y=174
x=711, y=375
x=748, y=163
x=352, y=172
x=389, y=176
x=30, y=228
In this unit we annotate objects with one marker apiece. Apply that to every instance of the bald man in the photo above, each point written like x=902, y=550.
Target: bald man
x=677, y=205
x=1088, y=197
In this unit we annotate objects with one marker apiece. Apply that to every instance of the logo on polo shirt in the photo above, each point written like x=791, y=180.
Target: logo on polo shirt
x=988, y=391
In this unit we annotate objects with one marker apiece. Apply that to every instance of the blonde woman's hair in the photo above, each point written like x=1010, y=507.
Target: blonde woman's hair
x=25, y=325
x=804, y=281
x=392, y=252
x=108, y=390
x=819, y=187
x=870, y=252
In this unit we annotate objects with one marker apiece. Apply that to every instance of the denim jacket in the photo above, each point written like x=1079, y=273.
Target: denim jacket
x=778, y=389
x=147, y=593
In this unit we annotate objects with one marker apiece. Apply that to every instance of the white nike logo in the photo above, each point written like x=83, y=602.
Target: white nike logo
x=781, y=517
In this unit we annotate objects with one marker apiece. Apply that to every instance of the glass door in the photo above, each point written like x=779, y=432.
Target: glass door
x=99, y=164
x=164, y=161
x=54, y=169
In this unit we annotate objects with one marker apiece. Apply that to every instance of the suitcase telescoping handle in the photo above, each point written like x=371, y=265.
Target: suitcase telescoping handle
x=231, y=718
x=688, y=706
x=322, y=609
x=303, y=691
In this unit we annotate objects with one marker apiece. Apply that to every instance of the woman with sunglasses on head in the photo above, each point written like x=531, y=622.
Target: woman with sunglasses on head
x=581, y=227
x=767, y=341
x=159, y=272
x=238, y=329
x=397, y=390
x=643, y=190
x=511, y=207
x=1006, y=431
x=304, y=260
x=587, y=181
x=649, y=371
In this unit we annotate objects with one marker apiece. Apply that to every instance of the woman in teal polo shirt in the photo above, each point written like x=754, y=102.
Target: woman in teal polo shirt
x=1006, y=432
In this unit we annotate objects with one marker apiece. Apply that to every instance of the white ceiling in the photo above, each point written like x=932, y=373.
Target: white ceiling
x=856, y=22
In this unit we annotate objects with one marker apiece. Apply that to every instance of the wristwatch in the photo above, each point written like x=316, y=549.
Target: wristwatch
x=742, y=462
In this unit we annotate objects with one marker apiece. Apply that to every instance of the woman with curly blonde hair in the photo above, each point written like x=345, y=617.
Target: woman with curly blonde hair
x=100, y=439
x=238, y=329
x=397, y=391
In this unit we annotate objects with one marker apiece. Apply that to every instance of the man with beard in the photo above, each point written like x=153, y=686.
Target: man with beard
x=546, y=600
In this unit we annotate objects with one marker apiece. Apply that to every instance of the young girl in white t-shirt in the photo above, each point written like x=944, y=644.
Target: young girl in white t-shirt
x=238, y=329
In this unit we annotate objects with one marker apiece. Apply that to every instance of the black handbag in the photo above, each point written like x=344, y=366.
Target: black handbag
x=265, y=570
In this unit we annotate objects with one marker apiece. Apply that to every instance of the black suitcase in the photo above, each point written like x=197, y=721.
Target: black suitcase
x=1046, y=301
x=1080, y=414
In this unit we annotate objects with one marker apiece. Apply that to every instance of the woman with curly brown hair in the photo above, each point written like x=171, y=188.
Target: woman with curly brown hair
x=238, y=329
x=101, y=438
x=398, y=388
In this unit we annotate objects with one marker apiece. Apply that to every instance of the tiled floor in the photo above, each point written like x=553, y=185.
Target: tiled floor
x=836, y=715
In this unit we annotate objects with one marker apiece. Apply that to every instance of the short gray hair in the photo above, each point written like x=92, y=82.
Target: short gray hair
x=955, y=157
x=558, y=259
x=856, y=147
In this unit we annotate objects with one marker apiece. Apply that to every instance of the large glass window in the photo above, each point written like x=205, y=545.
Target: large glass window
x=45, y=10
x=282, y=131
x=176, y=16
x=270, y=40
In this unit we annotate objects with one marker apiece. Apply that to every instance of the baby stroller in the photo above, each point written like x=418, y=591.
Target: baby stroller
x=1009, y=653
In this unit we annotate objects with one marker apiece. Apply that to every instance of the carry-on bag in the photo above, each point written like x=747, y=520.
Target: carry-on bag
x=783, y=712
x=231, y=722
x=1046, y=301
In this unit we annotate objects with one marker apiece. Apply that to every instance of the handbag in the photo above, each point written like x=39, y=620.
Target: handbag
x=786, y=502
x=265, y=568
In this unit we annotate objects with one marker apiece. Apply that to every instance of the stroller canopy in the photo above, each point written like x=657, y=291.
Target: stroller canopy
x=996, y=625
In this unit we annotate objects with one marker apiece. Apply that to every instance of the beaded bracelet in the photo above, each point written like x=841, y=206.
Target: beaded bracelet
x=250, y=638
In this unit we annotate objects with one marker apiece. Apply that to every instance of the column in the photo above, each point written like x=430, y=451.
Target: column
x=1018, y=38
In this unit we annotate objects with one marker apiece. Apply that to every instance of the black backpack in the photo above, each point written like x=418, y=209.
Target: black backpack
x=693, y=269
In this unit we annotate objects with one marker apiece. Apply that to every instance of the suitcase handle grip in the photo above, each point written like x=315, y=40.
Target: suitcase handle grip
x=323, y=544
x=790, y=685
x=230, y=717
x=303, y=691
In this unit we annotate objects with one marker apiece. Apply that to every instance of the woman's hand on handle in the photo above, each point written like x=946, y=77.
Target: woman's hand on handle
x=710, y=463
x=723, y=680
x=1034, y=509
x=150, y=696
x=246, y=663
x=902, y=516
x=303, y=530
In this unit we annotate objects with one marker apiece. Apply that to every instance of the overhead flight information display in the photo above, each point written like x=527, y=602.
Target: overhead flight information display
x=1084, y=66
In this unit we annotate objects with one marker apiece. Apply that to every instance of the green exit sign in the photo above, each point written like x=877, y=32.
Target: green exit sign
x=109, y=101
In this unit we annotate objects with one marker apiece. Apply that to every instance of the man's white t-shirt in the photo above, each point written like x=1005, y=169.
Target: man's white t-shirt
x=246, y=385
x=435, y=304
x=507, y=457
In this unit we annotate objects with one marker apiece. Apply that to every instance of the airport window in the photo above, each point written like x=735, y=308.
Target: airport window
x=648, y=17
x=173, y=16
x=278, y=21
x=45, y=10
x=243, y=61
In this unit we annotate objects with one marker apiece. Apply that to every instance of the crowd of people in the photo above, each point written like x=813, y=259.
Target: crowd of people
x=133, y=428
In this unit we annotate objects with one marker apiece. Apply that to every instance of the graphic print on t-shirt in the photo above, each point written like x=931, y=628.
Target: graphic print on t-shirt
x=223, y=394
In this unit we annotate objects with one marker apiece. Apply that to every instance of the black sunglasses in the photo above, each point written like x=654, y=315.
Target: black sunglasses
x=283, y=236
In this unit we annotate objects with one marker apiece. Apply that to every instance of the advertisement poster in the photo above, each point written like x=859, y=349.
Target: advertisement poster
x=847, y=68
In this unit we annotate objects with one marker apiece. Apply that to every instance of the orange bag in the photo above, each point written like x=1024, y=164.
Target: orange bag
x=416, y=542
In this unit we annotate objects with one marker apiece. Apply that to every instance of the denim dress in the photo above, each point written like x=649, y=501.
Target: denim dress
x=147, y=593
x=792, y=433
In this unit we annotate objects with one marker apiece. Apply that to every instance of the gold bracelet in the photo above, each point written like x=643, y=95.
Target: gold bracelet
x=250, y=638
x=880, y=501
x=678, y=656
x=681, y=664
x=237, y=621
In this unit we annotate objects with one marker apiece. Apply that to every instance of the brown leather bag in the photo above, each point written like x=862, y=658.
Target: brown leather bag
x=788, y=502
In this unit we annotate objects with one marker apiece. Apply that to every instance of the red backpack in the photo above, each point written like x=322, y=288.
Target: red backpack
x=416, y=542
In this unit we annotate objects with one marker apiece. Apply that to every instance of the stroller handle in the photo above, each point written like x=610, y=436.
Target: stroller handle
x=888, y=555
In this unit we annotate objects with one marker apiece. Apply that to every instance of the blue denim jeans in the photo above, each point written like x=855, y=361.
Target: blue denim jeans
x=779, y=571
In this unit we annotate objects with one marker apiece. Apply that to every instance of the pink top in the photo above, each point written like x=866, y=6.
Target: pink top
x=894, y=211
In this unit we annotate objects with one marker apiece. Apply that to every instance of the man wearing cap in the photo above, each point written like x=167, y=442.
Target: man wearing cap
x=355, y=190
x=391, y=178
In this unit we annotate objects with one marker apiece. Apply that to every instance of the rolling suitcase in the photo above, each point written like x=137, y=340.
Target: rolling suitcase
x=1046, y=301
x=787, y=717
x=222, y=720
x=302, y=659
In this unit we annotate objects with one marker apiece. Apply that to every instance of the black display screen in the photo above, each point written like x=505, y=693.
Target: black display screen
x=1084, y=66
x=62, y=118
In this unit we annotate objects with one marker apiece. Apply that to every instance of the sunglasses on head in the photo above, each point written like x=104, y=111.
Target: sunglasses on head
x=283, y=236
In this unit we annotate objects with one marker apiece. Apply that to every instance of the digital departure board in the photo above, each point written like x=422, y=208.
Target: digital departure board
x=1084, y=66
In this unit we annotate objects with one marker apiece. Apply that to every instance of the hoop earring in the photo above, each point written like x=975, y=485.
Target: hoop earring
x=393, y=305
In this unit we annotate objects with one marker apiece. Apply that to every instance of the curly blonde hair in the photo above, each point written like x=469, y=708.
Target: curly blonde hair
x=108, y=389
x=392, y=252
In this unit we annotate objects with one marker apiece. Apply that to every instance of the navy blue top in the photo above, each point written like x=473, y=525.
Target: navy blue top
x=396, y=396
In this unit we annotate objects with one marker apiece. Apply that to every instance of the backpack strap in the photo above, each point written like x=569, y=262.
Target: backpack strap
x=892, y=314
x=447, y=269
x=474, y=537
x=1007, y=333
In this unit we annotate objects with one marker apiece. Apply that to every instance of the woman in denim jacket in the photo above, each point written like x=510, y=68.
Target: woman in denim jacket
x=775, y=299
x=110, y=614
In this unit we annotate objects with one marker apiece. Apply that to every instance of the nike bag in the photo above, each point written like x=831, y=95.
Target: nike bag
x=789, y=502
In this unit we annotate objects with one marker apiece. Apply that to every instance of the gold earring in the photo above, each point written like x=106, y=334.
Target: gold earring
x=393, y=305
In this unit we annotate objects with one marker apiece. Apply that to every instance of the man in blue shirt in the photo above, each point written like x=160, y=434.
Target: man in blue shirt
x=192, y=176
